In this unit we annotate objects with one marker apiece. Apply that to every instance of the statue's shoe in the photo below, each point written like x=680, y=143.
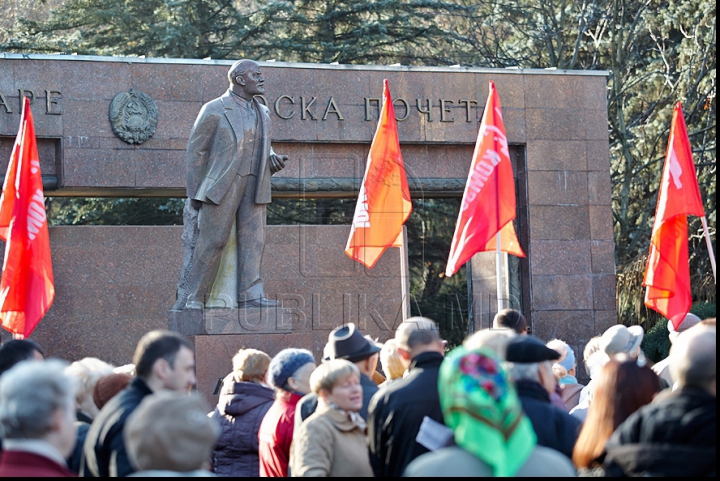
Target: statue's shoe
x=197, y=305
x=261, y=302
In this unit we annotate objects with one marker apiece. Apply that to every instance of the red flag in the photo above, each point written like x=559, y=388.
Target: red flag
x=384, y=202
x=27, y=289
x=667, y=275
x=488, y=204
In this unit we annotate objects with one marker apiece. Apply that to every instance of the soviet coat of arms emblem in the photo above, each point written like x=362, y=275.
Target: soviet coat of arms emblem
x=133, y=116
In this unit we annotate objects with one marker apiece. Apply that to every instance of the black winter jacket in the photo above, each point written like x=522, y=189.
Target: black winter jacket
x=397, y=412
x=104, y=448
x=674, y=436
x=74, y=461
x=240, y=410
x=554, y=428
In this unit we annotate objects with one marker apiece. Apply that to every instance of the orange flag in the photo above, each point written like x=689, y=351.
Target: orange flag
x=384, y=202
x=488, y=204
x=667, y=275
x=27, y=289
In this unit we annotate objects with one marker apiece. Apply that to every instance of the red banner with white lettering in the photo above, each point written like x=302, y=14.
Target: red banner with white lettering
x=488, y=203
x=27, y=288
x=384, y=202
x=667, y=275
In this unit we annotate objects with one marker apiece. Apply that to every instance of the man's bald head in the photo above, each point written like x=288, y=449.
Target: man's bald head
x=240, y=68
x=693, y=358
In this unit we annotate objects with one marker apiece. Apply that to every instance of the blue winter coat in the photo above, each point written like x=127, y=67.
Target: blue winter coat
x=240, y=410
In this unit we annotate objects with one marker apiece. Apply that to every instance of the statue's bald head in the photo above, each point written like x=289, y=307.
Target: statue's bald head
x=693, y=358
x=239, y=68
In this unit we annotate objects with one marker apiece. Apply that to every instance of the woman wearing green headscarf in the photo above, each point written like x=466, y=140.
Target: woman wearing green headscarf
x=492, y=435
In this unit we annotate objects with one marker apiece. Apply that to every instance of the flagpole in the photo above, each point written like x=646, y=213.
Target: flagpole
x=709, y=245
x=498, y=272
x=404, y=274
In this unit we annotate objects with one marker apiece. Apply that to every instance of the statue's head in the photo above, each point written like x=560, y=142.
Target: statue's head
x=246, y=79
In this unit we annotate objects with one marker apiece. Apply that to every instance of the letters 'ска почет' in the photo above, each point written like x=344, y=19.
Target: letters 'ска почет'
x=229, y=162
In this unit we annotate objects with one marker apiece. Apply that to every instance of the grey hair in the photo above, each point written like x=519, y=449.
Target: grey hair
x=88, y=371
x=417, y=331
x=240, y=68
x=494, y=339
x=30, y=394
x=563, y=349
x=520, y=371
x=592, y=346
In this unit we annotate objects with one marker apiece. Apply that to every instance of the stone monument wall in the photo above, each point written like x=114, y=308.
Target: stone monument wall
x=115, y=283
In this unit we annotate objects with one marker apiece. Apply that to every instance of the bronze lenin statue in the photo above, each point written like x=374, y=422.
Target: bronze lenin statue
x=229, y=162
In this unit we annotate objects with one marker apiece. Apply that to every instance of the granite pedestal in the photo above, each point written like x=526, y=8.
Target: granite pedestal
x=195, y=322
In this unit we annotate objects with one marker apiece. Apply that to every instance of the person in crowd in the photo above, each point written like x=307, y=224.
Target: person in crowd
x=492, y=434
x=332, y=441
x=88, y=370
x=397, y=412
x=617, y=339
x=510, y=319
x=675, y=435
x=346, y=342
x=37, y=418
x=593, y=359
x=17, y=350
x=244, y=401
x=104, y=389
x=164, y=360
x=623, y=386
x=662, y=368
x=377, y=377
x=170, y=435
x=494, y=339
x=592, y=356
x=289, y=373
x=565, y=372
x=391, y=362
x=530, y=366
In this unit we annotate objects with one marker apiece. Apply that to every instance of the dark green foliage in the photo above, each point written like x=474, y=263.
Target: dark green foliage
x=106, y=211
x=156, y=28
x=656, y=343
x=444, y=299
x=704, y=310
x=296, y=30
x=321, y=211
x=663, y=54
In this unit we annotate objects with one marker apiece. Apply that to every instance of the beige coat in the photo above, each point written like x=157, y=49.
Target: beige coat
x=329, y=444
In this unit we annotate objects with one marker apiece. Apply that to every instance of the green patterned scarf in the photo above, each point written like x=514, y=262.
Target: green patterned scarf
x=481, y=406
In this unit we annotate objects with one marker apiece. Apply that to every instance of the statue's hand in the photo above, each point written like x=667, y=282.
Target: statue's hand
x=277, y=162
x=195, y=204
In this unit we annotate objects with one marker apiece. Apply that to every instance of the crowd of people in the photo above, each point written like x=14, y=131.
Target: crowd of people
x=504, y=403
